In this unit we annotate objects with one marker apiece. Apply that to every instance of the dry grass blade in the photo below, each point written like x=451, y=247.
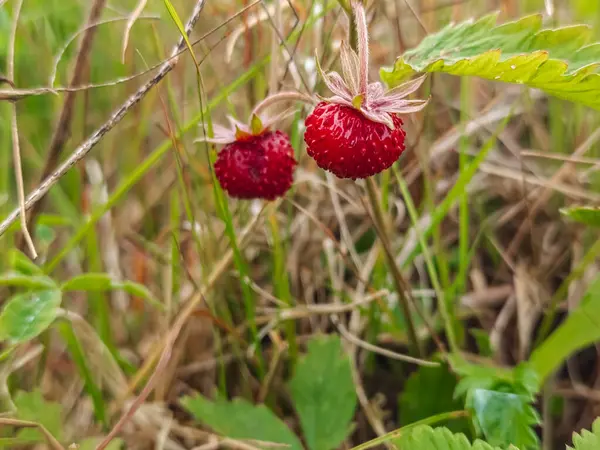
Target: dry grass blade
x=130, y=22
x=14, y=128
x=52, y=442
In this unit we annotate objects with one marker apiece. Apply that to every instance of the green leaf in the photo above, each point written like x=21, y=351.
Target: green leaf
x=92, y=442
x=427, y=438
x=33, y=407
x=256, y=125
x=104, y=282
x=580, y=329
x=21, y=263
x=14, y=278
x=88, y=282
x=429, y=391
x=587, y=440
x=324, y=393
x=477, y=376
x=559, y=61
x=505, y=418
x=29, y=314
x=589, y=215
x=240, y=419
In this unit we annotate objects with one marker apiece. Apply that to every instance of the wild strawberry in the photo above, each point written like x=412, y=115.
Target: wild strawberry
x=357, y=133
x=257, y=167
x=255, y=161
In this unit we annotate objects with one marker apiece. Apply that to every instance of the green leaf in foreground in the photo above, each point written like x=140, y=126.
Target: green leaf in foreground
x=324, y=393
x=29, y=314
x=430, y=391
x=240, y=419
x=580, y=329
x=427, y=438
x=557, y=61
x=506, y=418
x=33, y=407
x=587, y=440
x=588, y=215
x=13, y=278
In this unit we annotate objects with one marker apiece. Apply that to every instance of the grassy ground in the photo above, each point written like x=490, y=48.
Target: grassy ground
x=142, y=206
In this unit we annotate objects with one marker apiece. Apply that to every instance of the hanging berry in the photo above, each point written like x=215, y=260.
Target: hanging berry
x=256, y=162
x=356, y=133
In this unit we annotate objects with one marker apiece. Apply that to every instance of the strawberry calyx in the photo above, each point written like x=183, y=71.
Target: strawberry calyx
x=352, y=87
x=259, y=122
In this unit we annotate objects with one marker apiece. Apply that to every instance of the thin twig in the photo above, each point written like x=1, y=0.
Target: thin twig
x=15, y=134
x=54, y=444
x=81, y=151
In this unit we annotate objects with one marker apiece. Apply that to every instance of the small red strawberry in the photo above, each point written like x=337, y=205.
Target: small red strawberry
x=255, y=161
x=257, y=167
x=357, y=133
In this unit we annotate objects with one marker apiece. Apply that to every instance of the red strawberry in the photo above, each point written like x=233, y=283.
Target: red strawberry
x=349, y=145
x=257, y=166
x=256, y=162
x=356, y=133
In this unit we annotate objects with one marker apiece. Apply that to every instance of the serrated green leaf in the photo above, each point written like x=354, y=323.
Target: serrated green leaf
x=33, y=407
x=427, y=438
x=240, y=419
x=324, y=393
x=580, y=329
x=559, y=61
x=477, y=376
x=430, y=391
x=589, y=215
x=29, y=314
x=587, y=440
x=505, y=418
x=14, y=278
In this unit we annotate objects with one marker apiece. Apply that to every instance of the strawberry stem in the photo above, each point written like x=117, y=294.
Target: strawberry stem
x=280, y=97
x=359, y=40
x=362, y=37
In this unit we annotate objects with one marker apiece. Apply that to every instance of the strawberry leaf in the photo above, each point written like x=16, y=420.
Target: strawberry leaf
x=505, y=418
x=27, y=315
x=324, y=393
x=240, y=419
x=560, y=61
x=587, y=440
x=427, y=438
x=428, y=392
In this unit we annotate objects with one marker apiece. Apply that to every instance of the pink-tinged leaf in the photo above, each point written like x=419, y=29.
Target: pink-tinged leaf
x=379, y=117
x=363, y=45
x=336, y=84
x=350, y=69
x=339, y=100
x=406, y=107
x=405, y=89
x=375, y=91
